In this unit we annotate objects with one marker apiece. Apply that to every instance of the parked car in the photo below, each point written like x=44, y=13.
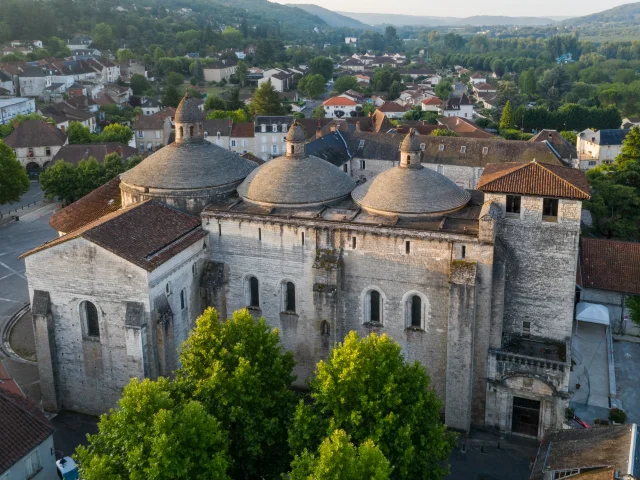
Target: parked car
x=67, y=469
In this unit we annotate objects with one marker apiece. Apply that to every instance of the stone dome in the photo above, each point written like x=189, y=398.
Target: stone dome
x=185, y=175
x=410, y=189
x=296, y=179
x=188, y=111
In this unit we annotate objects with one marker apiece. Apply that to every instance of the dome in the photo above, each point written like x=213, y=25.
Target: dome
x=296, y=133
x=188, y=111
x=410, y=192
x=296, y=179
x=411, y=142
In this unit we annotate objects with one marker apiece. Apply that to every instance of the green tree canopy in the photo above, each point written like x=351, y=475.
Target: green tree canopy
x=124, y=55
x=266, y=101
x=443, y=89
x=311, y=85
x=102, y=36
x=60, y=180
x=345, y=83
x=78, y=133
x=506, y=119
x=170, y=96
x=338, y=459
x=116, y=133
x=240, y=372
x=154, y=434
x=322, y=66
x=139, y=84
x=14, y=181
x=238, y=116
x=443, y=132
x=242, y=72
x=174, y=79
x=214, y=102
x=368, y=390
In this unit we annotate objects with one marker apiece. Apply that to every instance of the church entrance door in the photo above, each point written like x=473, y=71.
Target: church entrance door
x=525, y=416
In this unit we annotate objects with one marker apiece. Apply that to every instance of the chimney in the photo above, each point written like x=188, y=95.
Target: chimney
x=358, y=127
x=138, y=116
x=15, y=124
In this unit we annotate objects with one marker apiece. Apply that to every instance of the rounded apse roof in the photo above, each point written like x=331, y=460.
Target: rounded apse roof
x=180, y=166
x=188, y=111
x=296, y=182
x=410, y=192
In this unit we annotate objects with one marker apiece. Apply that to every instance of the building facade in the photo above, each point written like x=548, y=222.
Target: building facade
x=10, y=107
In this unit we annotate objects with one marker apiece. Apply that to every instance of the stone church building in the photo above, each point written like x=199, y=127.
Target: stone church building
x=478, y=285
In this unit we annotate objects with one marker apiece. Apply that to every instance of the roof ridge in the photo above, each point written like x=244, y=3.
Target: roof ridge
x=562, y=179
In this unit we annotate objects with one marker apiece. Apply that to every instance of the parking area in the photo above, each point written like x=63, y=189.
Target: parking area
x=627, y=358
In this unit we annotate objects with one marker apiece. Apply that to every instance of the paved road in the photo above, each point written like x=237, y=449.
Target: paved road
x=15, y=239
x=33, y=195
x=627, y=358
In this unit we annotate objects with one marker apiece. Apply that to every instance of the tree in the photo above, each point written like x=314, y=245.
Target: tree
x=14, y=181
x=569, y=136
x=395, y=90
x=78, y=134
x=174, y=79
x=338, y=459
x=214, y=102
x=116, y=133
x=198, y=70
x=102, y=36
x=506, y=120
x=242, y=72
x=241, y=374
x=155, y=434
x=318, y=112
x=633, y=304
x=170, y=96
x=443, y=89
x=311, y=85
x=266, y=101
x=234, y=102
x=238, y=116
x=443, y=132
x=367, y=389
x=390, y=34
x=124, y=55
x=139, y=84
x=60, y=180
x=322, y=66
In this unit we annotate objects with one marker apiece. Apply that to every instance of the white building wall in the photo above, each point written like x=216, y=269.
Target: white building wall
x=47, y=458
x=15, y=107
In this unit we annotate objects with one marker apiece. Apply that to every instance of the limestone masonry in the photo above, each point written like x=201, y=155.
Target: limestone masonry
x=478, y=285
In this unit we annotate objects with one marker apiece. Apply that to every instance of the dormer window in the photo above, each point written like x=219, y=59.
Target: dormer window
x=463, y=149
x=263, y=128
x=485, y=150
x=274, y=127
x=441, y=148
x=284, y=127
x=218, y=134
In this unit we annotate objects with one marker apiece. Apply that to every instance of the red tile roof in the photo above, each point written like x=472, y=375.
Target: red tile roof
x=433, y=101
x=91, y=207
x=339, y=101
x=534, y=179
x=391, y=107
x=8, y=384
x=243, y=130
x=24, y=427
x=147, y=234
x=610, y=265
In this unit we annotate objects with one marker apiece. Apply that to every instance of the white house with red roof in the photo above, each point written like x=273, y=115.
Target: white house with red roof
x=339, y=107
x=392, y=109
x=432, y=104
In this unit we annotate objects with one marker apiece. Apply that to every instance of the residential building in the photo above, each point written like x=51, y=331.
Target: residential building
x=63, y=114
x=392, y=109
x=599, y=146
x=353, y=64
x=463, y=127
x=270, y=134
x=627, y=122
x=302, y=244
x=6, y=83
x=339, y=107
x=151, y=132
x=478, y=78
x=604, y=453
x=10, y=107
x=35, y=143
x=362, y=78
x=82, y=102
x=35, y=80
x=566, y=150
x=484, y=88
x=26, y=441
x=242, y=140
x=130, y=68
x=279, y=78
x=432, y=104
x=218, y=132
x=458, y=107
x=79, y=42
x=75, y=153
x=222, y=70
x=351, y=40
x=119, y=94
x=150, y=106
x=609, y=274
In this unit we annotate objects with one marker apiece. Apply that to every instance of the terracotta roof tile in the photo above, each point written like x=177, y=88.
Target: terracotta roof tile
x=147, y=234
x=432, y=101
x=24, y=427
x=91, y=207
x=535, y=179
x=610, y=265
x=35, y=133
x=242, y=130
x=339, y=101
x=391, y=107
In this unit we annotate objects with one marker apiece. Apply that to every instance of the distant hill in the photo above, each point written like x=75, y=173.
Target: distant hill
x=332, y=19
x=479, y=20
x=624, y=15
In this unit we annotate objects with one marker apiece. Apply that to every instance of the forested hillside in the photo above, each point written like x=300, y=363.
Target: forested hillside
x=332, y=19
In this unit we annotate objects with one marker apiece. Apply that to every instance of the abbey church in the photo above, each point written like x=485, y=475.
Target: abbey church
x=477, y=285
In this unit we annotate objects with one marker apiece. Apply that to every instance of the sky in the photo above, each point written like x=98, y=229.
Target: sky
x=467, y=8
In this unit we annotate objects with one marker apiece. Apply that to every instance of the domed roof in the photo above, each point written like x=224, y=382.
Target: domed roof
x=188, y=111
x=410, y=192
x=189, y=166
x=411, y=142
x=296, y=133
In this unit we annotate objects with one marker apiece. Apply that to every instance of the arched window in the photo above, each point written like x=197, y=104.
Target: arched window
x=292, y=149
x=374, y=306
x=289, y=297
x=191, y=131
x=254, y=293
x=325, y=329
x=181, y=132
x=416, y=311
x=89, y=314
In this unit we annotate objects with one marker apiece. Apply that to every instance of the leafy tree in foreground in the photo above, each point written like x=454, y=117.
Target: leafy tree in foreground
x=338, y=459
x=116, y=133
x=368, y=390
x=266, y=101
x=154, y=434
x=60, y=180
x=240, y=373
x=14, y=181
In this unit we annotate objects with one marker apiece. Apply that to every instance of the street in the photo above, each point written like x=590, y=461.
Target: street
x=33, y=195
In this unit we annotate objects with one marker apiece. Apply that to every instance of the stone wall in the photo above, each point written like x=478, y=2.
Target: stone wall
x=333, y=278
